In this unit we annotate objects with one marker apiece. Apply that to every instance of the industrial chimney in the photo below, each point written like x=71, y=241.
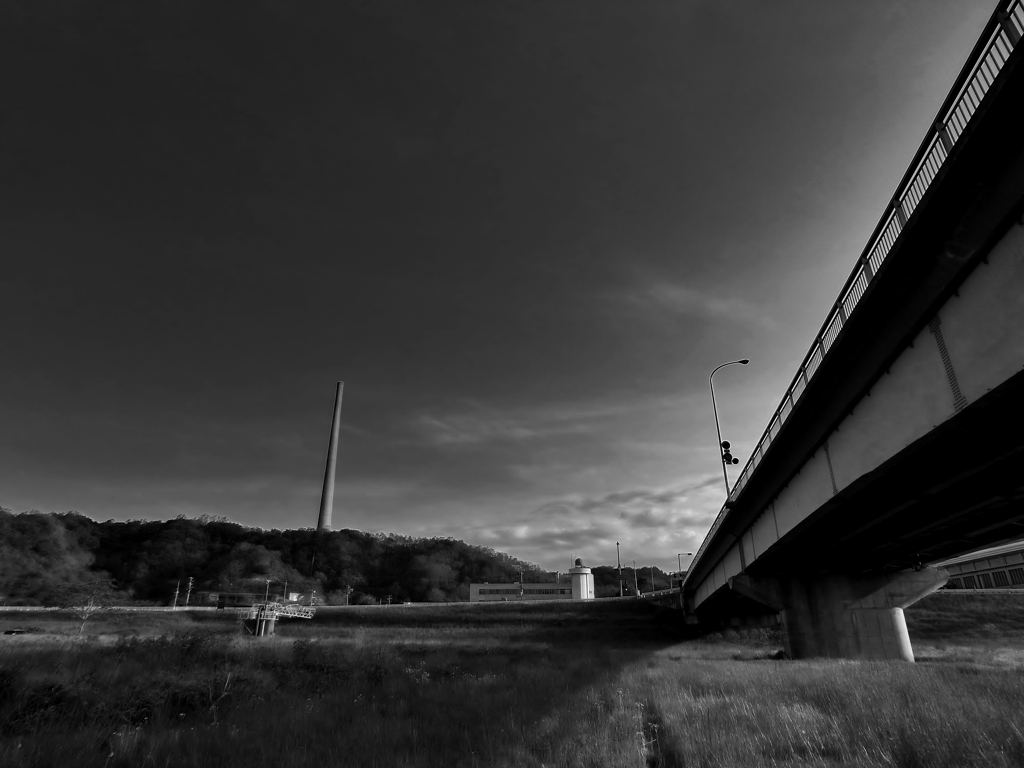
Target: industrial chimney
x=323, y=523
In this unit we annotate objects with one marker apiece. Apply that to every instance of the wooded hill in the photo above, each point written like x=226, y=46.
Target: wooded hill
x=46, y=557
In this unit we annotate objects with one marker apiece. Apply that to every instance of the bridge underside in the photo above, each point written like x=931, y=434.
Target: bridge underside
x=958, y=488
x=840, y=589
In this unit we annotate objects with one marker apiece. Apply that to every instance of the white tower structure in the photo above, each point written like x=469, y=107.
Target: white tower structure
x=582, y=581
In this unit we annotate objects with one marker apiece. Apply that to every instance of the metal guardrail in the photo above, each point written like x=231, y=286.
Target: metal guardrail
x=646, y=595
x=1002, y=34
x=274, y=611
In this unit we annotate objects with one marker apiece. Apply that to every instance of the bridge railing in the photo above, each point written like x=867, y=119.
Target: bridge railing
x=1001, y=36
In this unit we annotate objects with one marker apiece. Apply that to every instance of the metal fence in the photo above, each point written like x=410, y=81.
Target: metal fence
x=1002, y=34
x=274, y=611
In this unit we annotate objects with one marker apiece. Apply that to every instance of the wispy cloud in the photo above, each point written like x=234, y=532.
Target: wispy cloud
x=467, y=429
x=666, y=296
x=687, y=300
x=643, y=507
x=475, y=423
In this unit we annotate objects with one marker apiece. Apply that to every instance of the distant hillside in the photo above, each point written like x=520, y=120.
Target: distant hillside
x=44, y=557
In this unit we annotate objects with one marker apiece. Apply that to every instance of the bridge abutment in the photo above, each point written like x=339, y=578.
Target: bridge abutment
x=846, y=616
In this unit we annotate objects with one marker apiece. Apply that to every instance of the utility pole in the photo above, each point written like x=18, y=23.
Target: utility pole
x=189, y=593
x=653, y=589
x=618, y=561
x=177, y=588
x=636, y=586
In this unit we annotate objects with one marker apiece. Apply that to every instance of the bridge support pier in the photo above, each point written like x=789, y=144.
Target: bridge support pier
x=844, y=616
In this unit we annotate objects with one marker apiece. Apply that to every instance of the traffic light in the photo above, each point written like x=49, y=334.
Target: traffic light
x=727, y=457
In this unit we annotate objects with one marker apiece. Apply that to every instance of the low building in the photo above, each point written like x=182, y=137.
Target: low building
x=480, y=593
x=580, y=587
x=223, y=599
x=993, y=568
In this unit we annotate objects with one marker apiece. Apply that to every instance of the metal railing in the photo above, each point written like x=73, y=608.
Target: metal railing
x=1001, y=35
x=274, y=611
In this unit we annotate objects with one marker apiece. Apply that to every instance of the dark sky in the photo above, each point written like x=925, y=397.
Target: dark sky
x=523, y=233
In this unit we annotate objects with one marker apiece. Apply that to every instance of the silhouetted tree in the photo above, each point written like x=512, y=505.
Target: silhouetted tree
x=43, y=555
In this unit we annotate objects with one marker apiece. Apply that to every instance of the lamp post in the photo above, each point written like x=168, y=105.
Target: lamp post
x=721, y=445
x=618, y=562
x=679, y=563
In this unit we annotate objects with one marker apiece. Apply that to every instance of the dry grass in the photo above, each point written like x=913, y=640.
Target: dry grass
x=509, y=685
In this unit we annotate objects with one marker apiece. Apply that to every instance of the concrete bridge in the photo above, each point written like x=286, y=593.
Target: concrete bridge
x=900, y=441
x=996, y=569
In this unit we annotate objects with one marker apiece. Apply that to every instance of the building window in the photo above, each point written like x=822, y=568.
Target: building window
x=999, y=577
x=986, y=580
x=970, y=583
x=1017, y=575
x=954, y=584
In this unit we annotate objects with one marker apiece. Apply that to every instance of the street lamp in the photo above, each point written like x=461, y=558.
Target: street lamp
x=618, y=561
x=679, y=563
x=727, y=457
x=679, y=559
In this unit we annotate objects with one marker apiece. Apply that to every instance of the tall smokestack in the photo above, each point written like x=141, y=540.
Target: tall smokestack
x=327, y=497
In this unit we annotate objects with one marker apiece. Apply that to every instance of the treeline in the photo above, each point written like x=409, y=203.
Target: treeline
x=46, y=557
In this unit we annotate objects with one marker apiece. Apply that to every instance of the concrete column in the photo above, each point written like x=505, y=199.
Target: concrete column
x=844, y=616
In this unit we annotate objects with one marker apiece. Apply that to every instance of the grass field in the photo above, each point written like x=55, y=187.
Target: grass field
x=603, y=684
